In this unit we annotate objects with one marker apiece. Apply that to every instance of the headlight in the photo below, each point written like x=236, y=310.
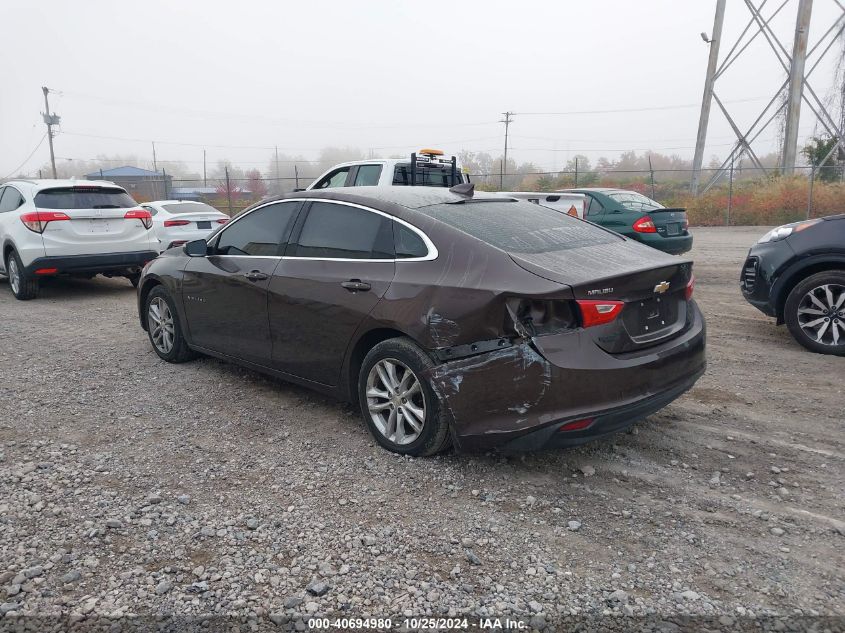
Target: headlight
x=782, y=232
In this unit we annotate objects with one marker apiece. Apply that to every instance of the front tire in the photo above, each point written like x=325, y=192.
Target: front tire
x=399, y=406
x=163, y=328
x=23, y=287
x=815, y=313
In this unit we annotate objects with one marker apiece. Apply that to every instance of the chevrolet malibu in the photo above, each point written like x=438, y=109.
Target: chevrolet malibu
x=448, y=318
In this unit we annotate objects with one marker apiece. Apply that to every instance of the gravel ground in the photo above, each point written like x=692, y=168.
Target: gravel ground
x=135, y=488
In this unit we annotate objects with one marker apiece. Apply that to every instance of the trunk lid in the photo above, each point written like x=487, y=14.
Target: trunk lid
x=669, y=222
x=651, y=284
x=195, y=220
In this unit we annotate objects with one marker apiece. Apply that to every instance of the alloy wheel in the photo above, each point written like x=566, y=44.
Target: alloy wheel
x=14, y=274
x=161, y=324
x=396, y=401
x=821, y=314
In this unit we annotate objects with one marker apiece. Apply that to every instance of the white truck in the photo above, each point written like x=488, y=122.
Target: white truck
x=430, y=168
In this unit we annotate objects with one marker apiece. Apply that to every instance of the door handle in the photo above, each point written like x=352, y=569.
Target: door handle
x=354, y=285
x=256, y=275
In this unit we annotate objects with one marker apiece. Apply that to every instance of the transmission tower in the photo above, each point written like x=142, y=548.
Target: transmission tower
x=796, y=85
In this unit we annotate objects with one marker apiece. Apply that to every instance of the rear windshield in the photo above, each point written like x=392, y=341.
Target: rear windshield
x=635, y=201
x=519, y=226
x=431, y=176
x=84, y=198
x=189, y=207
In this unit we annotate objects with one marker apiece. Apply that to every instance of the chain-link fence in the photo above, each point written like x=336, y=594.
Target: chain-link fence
x=746, y=195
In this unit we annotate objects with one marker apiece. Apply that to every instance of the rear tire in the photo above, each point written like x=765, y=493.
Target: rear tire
x=398, y=404
x=815, y=312
x=163, y=328
x=23, y=287
x=134, y=279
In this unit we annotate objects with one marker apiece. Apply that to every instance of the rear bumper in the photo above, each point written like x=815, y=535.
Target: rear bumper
x=672, y=245
x=130, y=262
x=520, y=396
x=604, y=423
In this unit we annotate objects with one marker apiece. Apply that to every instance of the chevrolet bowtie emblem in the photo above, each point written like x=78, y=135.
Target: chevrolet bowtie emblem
x=662, y=287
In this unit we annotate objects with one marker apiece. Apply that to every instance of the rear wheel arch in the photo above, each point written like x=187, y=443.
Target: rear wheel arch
x=360, y=350
x=795, y=277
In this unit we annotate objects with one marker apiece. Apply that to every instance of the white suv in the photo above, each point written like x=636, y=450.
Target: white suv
x=57, y=227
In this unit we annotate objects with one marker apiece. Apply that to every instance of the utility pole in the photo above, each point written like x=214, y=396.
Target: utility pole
x=507, y=121
x=204, y=178
x=155, y=164
x=796, y=85
x=707, y=98
x=278, y=182
x=296, y=175
x=228, y=191
x=651, y=171
x=50, y=120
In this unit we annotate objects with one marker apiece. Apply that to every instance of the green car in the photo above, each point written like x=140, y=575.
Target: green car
x=639, y=218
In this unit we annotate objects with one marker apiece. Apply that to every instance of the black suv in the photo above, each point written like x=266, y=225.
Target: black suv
x=796, y=273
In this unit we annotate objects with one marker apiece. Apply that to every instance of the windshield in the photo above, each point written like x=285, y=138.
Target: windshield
x=519, y=226
x=635, y=201
x=83, y=198
x=427, y=175
x=189, y=207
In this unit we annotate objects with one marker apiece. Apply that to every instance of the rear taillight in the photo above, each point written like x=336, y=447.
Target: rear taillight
x=38, y=220
x=140, y=214
x=176, y=223
x=599, y=312
x=690, y=287
x=644, y=225
x=222, y=220
x=576, y=425
x=685, y=225
x=46, y=271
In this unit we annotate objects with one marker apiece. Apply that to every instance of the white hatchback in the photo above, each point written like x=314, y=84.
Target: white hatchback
x=71, y=227
x=176, y=222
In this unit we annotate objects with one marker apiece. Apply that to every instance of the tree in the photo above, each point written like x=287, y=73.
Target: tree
x=255, y=184
x=822, y=155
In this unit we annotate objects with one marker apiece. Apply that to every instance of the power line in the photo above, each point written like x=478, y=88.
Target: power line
x=26, y=160
x=643, y=109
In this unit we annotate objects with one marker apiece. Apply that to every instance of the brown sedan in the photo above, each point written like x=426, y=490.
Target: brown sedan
x=450, y=318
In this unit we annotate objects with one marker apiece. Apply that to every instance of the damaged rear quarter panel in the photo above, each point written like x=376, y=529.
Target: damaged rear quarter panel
x=458, y=298
x=493, y=392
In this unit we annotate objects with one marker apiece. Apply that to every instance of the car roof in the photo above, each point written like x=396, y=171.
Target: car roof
x=178, y=202
x=408, y=197
x=36, y=184
x=596, y=189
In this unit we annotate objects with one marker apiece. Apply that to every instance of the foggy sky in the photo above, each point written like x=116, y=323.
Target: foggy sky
x=386, y=76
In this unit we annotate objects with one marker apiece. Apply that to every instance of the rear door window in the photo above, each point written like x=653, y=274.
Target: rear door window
x=595, y=207
x=70, y=198
x=339, y=231
x=337, y=178
x=11, y=199
x=263, y=232
x=408, y=243
x=367, y=175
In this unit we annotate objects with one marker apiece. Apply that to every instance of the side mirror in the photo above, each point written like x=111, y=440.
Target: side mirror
x=196, y=248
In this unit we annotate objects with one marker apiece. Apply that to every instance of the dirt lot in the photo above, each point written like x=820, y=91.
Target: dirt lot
x=135, y=487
